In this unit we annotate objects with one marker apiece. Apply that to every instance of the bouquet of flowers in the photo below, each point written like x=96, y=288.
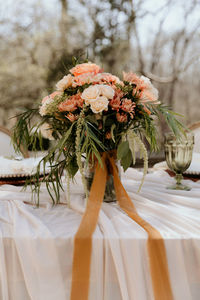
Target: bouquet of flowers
x=92, y=112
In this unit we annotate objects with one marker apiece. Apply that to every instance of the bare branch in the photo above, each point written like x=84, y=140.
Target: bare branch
x=189, y=63
x=139, y=49
x=159, y=78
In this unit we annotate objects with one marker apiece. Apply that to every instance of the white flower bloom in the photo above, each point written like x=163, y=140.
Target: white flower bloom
x=150, y=89
x=93, y=92
x=46, y=131
x=106, y=90
x=90, y=94
x=44, y=106
x=100, y=104
x=64, y=83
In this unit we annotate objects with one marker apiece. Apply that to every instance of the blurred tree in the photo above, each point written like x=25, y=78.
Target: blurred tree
x=60, y=66
x=64, y=24
x=38, y=39
x=112, y=23
x=169, y=56
x=61, y=61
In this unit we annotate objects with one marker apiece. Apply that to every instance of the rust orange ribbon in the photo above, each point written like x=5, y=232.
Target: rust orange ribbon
x=83, y=238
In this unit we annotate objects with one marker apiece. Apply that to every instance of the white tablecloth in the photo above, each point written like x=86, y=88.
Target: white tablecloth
x=36, y=244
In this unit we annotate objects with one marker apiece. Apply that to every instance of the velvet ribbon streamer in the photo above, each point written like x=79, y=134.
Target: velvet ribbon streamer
x=83, y=238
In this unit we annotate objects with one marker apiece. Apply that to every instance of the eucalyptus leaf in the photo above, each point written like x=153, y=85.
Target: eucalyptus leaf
x=72, y=167
x=126, y=160
x=122, y=150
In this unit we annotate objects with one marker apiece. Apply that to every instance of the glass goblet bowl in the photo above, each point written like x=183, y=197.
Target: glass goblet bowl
x=178, y=155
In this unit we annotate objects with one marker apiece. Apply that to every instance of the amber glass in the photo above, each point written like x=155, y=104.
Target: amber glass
x=178, y=155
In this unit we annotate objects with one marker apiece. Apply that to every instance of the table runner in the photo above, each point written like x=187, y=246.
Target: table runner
x=36, y=245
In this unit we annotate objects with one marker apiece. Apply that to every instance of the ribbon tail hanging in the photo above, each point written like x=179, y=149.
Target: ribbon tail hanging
x=155, y=244
x=83, y=237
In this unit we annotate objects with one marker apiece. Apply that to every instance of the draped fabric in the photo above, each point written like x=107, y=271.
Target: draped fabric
x=36, y=244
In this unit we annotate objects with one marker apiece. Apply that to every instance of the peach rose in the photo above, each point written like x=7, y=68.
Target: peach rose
x=90, y=94
x=78, y=99
x=148, y=93
x=45, y=99
x=52, y=96
x=148, y=96
x=67, y=105
x=85, y=68
x=100, y=104
x=82, y=79
x=118, y=93
x=121, y=117
x=106, y=77
x=64, y=83
x=131, y=77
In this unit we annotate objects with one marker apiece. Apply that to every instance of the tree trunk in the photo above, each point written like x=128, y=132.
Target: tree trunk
x=63, y=24
x=171, y=93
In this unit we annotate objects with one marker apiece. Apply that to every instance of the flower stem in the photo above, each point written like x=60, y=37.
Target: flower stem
x=78, y=149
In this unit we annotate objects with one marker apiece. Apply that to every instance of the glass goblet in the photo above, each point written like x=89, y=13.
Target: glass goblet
x=178, y=155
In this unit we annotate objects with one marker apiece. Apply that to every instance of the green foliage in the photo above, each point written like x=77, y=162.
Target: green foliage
x=53, y=106
x=124, y=154
x=21, y=131
x=122, y=149
x=126, y=160
x=150, y=132
x=132, y=136
x=170, y=117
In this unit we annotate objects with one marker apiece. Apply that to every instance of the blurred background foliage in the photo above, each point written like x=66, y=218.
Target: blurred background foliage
x=156, y=38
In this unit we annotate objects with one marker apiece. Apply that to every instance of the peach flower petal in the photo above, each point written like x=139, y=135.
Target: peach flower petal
x=85, y=68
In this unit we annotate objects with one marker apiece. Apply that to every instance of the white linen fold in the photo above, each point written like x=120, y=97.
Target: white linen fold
x=36, y=244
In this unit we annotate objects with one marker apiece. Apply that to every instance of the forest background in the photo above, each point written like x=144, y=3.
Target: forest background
x=156, y=38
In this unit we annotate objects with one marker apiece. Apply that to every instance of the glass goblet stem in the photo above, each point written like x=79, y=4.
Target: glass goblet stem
x=179, y=185
x=178, y=177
